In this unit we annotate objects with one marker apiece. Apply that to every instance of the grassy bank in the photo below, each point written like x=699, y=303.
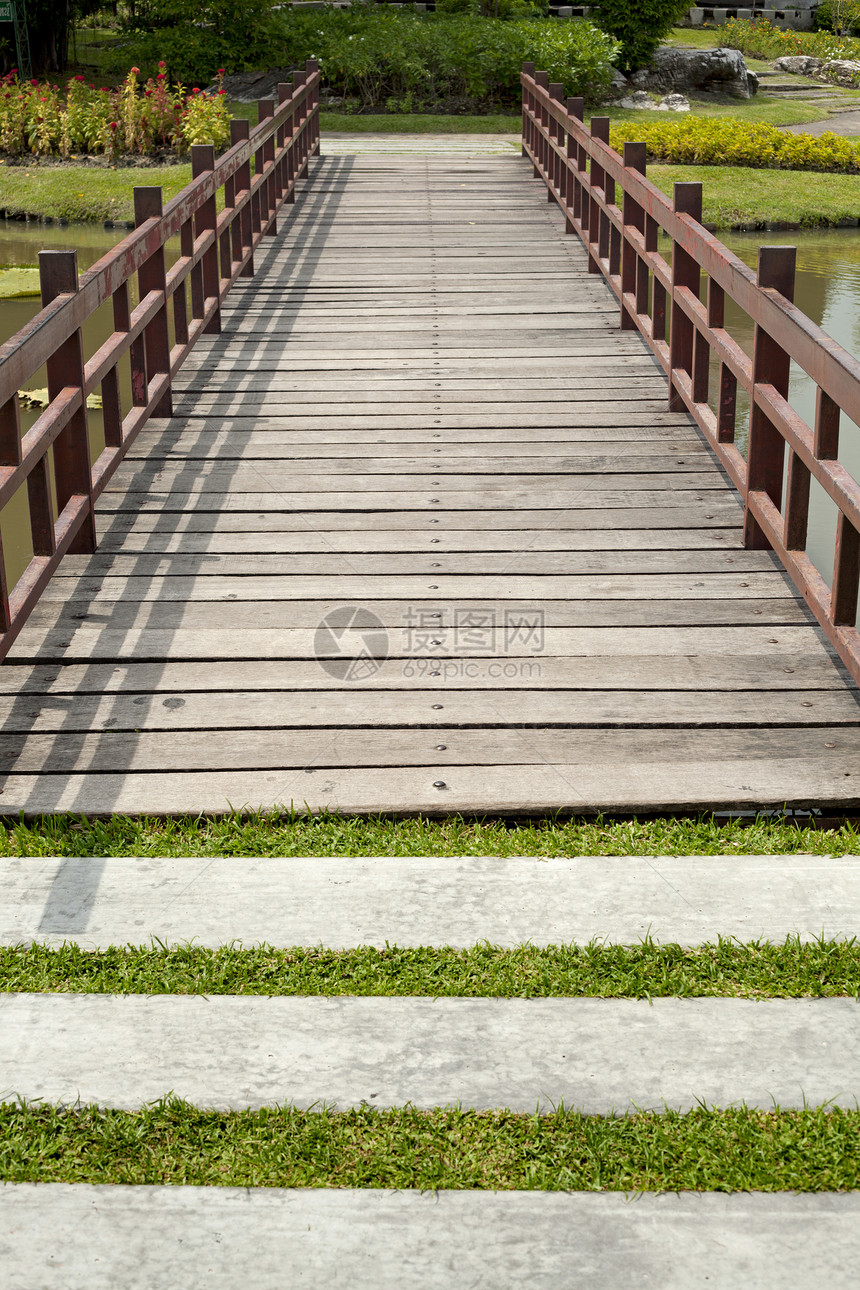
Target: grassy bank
x=174, y=1143
x=87, y=193
x=740, y=197
x=725, y=969
x=286, y=835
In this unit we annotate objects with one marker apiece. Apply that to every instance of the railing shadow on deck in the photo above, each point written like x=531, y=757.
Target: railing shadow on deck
x=53, y=457
x=662, y=301
x=283, y=143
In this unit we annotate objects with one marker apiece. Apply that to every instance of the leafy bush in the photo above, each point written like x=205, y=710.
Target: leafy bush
x=372, y=56
x=640, y=25
x=760, y=39
x=195, y=37
x=40, y=118
x=724, y=141
x=412, y=62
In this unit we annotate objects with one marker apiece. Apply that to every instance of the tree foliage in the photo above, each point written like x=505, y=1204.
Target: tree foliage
x=640, y=25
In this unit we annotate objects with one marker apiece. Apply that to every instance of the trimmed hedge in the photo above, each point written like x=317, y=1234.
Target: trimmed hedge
x=722, y=141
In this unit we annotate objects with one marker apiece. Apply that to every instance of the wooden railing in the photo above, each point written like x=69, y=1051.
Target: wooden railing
x=663, y=302
x=53, y=456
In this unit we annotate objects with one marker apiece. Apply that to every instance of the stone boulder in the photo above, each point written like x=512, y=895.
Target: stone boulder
x=842, y=71
x=799, y=64
x=702, y=71
x=640, y=100
x=673, y=103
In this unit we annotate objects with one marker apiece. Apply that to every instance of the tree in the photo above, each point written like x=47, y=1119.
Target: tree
x=640, y=25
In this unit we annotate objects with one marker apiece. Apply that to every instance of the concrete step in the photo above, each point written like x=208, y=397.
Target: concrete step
x=426, y=900
x=594, y=1055
x=158, y=1238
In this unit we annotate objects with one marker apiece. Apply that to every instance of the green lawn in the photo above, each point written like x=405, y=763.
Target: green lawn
x=738, y=196
x=171, y=1142
x=757, y=970
x=91, y=193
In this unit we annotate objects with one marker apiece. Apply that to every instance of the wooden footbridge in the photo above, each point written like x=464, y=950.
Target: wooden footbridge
x=395, y=511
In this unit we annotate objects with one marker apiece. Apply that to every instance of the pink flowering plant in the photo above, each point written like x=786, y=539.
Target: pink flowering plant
x=44, y=119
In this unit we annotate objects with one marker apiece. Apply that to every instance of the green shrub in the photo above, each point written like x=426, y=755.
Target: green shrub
x=372, y=56
x=195, y=37
x=640, y=25
x=724, y=141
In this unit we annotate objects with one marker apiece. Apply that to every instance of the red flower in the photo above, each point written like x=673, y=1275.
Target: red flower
x=162, y=63
x=220, y=71
x=195, y=90
x=134, y=71
x=222, y=91
x=34, y=82
x=79, y=78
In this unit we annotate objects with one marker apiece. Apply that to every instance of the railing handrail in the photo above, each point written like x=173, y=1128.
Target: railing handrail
x=581, y=172
x=214, y=251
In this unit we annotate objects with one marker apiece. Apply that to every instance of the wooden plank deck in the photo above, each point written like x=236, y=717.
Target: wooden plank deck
x=422, y=408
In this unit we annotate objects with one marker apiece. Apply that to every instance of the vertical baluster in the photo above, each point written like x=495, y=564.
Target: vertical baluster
x=635, y=155
x=58, y=275
x=240, y=132
x=285, y=89
x=542, y=79
x=111, y=400
x=10, y=455
x=573, y=199
x=312, y=67
x=727, y=396
x=685, y=273
x=268, y=218
x=300, y=124
x=771, y=366
x=528, y=70
x=202, y=161
x=596, y=224
x=846, y=573
x=658, y=305
x=702, y=350
x=229, y=236
x=556, y=93
x=152, y=276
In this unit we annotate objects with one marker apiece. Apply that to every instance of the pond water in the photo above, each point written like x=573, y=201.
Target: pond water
x=827, y=290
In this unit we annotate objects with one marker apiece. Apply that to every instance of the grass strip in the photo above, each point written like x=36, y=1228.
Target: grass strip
x=287, y=833
x=171, y=1142
x=740, y=197
x=759, y=970
x=83, y=193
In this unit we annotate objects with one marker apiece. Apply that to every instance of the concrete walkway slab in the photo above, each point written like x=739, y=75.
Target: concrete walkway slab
x=597, y=1055
x=59, y=1237
x=421, y=900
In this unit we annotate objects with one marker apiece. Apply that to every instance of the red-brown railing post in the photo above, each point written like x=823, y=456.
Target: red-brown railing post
x=300, y=119
x=554, y=188
x=771, y=366
x=685, y=273
x=152, y=276
x=240, y=131
x=541, y=79
x=266, y=156
x=312, y=67
x=528, y=70
x=635, y=157
x=203, y=160
x=10, y=455
x=575, y=109
x=597, y=180
x=58, y=275
x=285, y=91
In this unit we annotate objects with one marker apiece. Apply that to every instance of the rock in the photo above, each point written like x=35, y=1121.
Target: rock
x=799, y=64
x=842, y=71
x=640, y=100
x=706, y=71
x=673, y=103
x=618, y=85
x=249, y=87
